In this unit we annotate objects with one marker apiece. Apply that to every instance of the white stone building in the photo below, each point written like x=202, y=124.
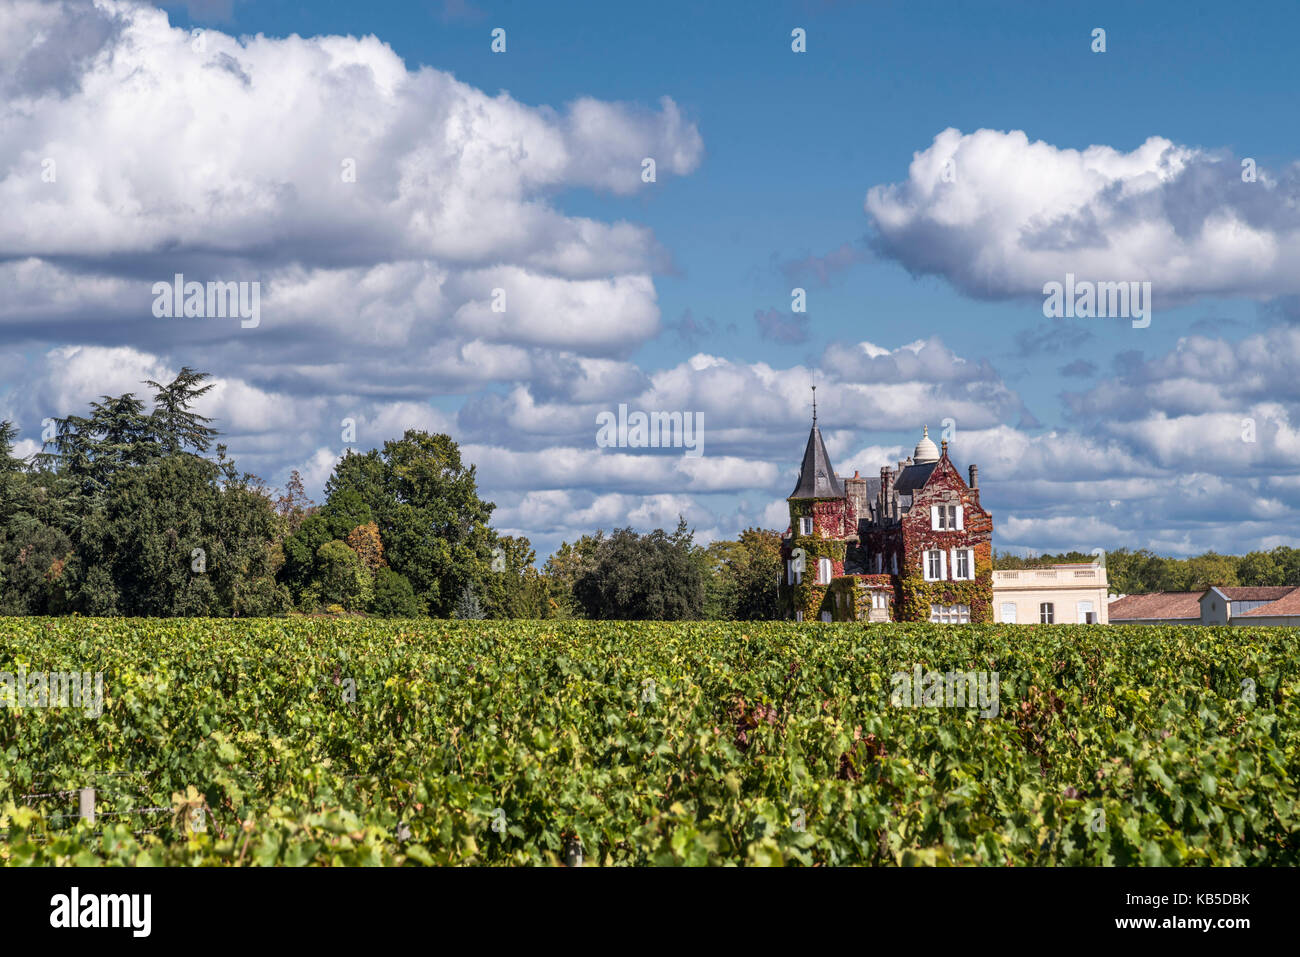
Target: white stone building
x=1054, y=595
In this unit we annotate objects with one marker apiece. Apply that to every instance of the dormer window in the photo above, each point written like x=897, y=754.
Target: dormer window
x=945, y=518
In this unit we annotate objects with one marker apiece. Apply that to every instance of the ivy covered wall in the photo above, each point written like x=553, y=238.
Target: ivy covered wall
x=824, y=542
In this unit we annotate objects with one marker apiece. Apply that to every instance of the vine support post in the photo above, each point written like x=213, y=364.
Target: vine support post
x=86, y=802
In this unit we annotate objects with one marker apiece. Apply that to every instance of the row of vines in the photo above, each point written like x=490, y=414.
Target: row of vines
x=337, y=742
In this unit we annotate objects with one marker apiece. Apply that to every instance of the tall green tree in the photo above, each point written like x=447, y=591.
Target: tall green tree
x=513, y=587
x=425, y=501
x=180, y=540
x=756, y=571
x=643, y=577
x=1259, y=568
x=11, y=470
x=176, y=427
x=561, y=572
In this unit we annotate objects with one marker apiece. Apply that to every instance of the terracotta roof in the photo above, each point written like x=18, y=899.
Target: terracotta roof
x=1257, y=592
x=1289, y=604
x=1161, y=604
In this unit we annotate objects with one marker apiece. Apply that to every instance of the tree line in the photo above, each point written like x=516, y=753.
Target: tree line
x=124, y=512
x=1132, y=572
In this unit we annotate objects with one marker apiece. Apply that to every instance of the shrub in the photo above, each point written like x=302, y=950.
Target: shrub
x=394, y=596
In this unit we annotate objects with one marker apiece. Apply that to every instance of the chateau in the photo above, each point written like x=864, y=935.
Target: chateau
x=911, y=545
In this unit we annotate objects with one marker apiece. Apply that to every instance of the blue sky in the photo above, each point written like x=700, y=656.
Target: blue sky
x=1089, y=432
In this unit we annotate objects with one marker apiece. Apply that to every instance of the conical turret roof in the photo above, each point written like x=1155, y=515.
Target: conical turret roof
x=816, y=477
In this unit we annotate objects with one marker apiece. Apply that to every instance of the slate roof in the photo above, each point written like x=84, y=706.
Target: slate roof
x=1164, y=604
x=913, y=477
x=817, y=478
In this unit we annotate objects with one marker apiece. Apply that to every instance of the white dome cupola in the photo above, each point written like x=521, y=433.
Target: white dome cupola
x=926, y=451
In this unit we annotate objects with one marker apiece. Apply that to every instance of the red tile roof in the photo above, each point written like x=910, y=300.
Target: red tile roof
x=1289, y=604
x=1163, y=604
x=1257, y=592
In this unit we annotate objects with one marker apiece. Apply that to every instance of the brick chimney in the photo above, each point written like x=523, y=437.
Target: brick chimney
x=975, y=481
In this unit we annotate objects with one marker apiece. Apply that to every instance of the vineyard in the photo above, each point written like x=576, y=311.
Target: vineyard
x=350, y=742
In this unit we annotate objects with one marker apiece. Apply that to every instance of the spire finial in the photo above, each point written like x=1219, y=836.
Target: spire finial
x=926, y=433
x=814, y=391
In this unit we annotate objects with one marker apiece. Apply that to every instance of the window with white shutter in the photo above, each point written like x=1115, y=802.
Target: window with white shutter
x=823, y=571
x=934, y=518
x=960, y=519
x=963, y=561
x=934, y=565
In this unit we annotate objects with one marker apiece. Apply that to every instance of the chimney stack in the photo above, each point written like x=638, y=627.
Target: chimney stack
x=974, y=476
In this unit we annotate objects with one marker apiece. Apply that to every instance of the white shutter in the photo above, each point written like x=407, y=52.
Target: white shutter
x=943, y=566
x=960, y=526
x=934, y=517
x=954, y=566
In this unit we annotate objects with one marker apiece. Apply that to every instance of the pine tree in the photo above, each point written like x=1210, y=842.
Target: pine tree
x=10, y=469
x=175, y=425
x=468, y=607
x=124, y=434
x=8, y=433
